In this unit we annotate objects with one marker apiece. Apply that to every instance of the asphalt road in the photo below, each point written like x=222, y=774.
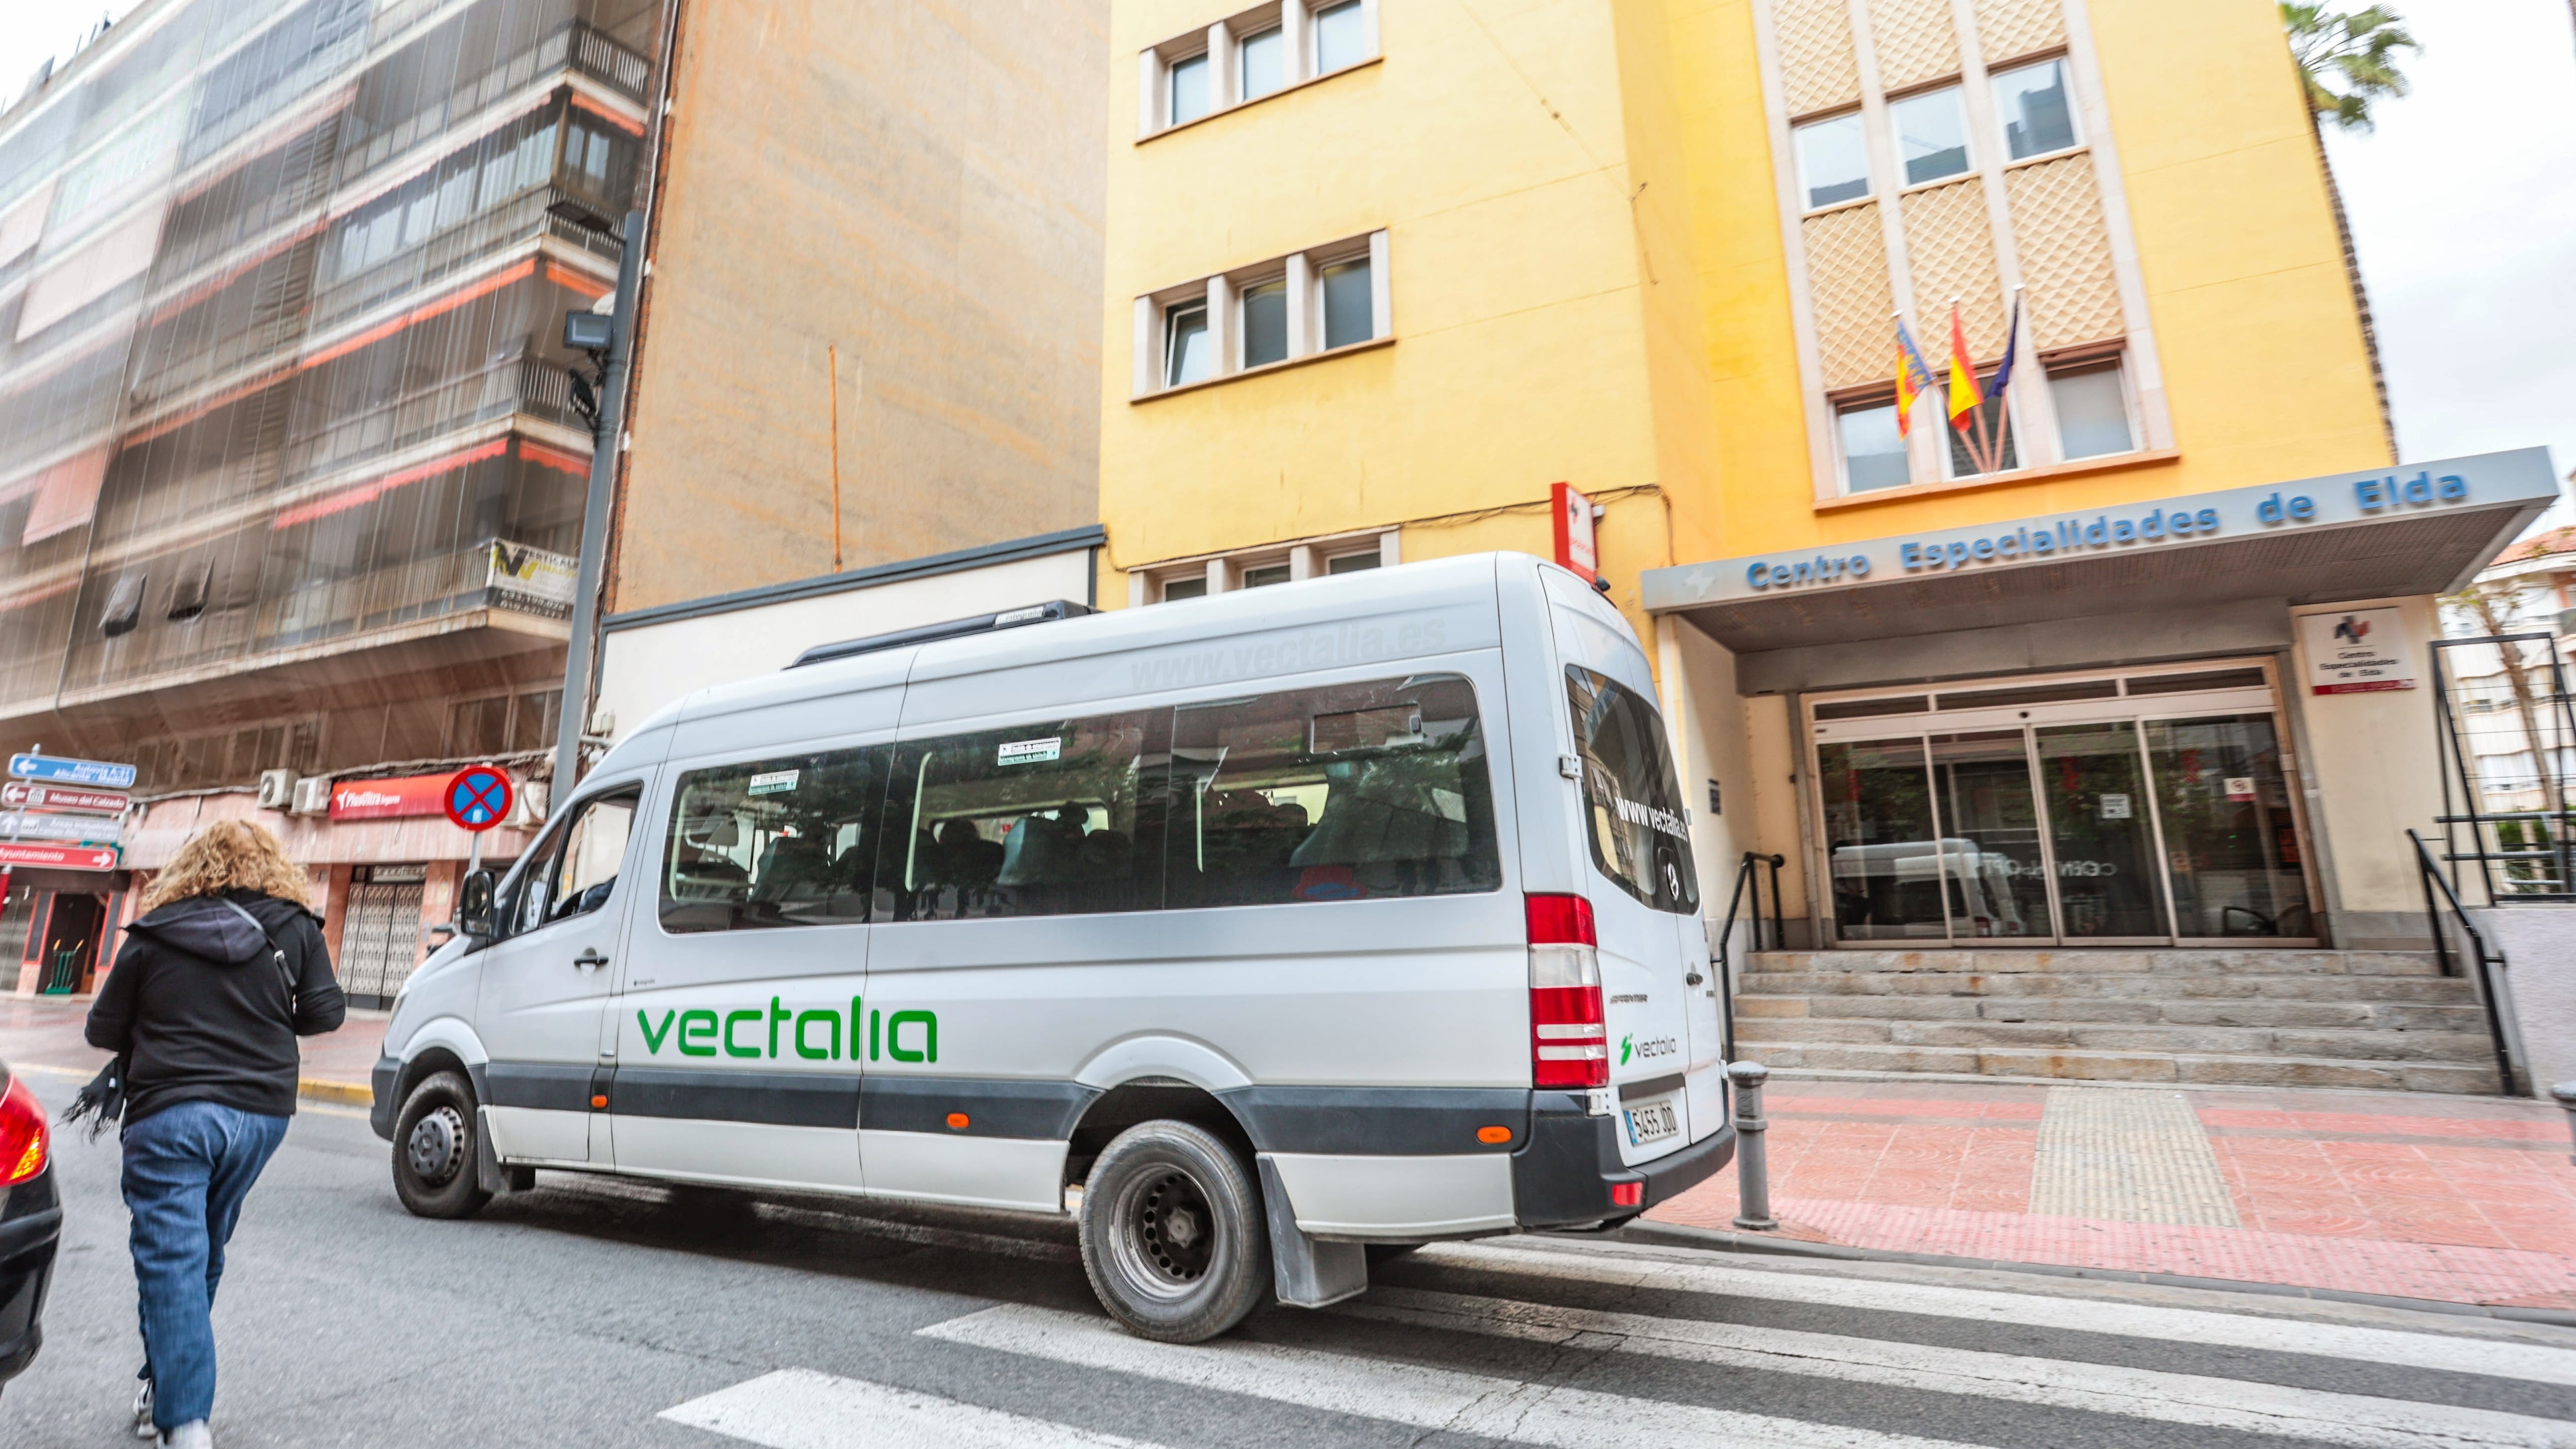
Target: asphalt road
x=600, y=1312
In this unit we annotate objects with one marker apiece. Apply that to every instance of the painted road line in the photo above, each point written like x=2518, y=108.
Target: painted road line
x=1402, y=1393
x=802, y=1409
x=2214, y=1403
x=2116, y=1317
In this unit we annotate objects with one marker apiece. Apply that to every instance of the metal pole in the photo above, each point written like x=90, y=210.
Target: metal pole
x=575, y=714
x=1752, y=1172
x=2565, y=1092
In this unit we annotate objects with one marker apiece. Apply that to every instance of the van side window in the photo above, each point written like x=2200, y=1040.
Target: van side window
x=1346, y=792
x=1640, y=830
x=783, y=842
x=575, y=869
x=1035, y=820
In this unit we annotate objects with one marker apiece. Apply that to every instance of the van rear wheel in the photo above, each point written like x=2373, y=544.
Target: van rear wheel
x=435, y=1147
x=1172, y=1233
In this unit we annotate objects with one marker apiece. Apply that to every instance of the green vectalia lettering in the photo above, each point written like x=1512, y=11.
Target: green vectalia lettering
x=737, y=1018
x=653, y=1039
x=777, y=1014
x=831, y=1019
x=697, y=1026
x=875, y=1018
x=929, y=1036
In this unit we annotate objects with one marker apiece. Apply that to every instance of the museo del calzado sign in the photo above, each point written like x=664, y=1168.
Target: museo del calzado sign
x=2338, y=501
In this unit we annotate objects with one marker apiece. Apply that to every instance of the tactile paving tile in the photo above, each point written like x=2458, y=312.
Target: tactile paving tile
x=2128, y=1157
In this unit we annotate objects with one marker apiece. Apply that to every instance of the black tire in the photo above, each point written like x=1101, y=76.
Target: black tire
x=1389, y=1252
x=435, y=1142
x=1173, y=1237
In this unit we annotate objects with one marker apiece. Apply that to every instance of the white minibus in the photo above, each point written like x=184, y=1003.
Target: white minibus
x=1258, y=933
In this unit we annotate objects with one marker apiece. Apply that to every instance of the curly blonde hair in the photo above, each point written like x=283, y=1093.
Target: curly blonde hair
x=229, y=855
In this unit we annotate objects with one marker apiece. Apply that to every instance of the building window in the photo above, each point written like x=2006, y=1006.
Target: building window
x=1187, y=355
x=1931, y=135
x=1261, y=63
x=1873, y=452
x=1265, y=323
x=1188, y=89
x=1989, y=424
x=1351, y=563
x=1265, y=575
x=1833, y=161
x=2032, y=101
x=1175, y=590
x=1342, y=36
x=1348, y=304
x=2092, y=402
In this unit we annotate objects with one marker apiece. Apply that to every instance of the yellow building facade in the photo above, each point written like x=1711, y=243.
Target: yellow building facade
x=1380, y=273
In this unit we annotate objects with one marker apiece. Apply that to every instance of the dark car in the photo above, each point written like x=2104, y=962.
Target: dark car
x=31, y=1222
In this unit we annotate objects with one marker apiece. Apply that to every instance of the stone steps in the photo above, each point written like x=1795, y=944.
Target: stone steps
x=2380, y=1019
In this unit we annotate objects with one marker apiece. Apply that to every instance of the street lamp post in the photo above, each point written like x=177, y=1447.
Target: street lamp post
x=607, y=439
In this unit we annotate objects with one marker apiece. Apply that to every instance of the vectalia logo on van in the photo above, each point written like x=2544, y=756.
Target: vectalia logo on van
x=815, y=1034
x=1653, y=1046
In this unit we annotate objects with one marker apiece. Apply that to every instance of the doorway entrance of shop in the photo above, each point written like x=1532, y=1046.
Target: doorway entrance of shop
x=2149, y=807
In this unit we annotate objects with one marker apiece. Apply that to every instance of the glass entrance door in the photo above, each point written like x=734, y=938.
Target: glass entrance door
x=2151, y=809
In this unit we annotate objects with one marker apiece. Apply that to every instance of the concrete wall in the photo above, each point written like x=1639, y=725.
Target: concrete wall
x=2371, y=764
x=918, y=186
x=2539, y=947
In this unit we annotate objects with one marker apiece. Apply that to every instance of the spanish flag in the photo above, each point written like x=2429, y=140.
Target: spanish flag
x=1913, y=378
x=1964, y=395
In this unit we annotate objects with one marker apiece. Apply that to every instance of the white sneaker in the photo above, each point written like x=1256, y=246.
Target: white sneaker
x=191, y=1435
x=143, y=1413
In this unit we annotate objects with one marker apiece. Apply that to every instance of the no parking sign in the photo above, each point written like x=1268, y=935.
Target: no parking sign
x=478, y=798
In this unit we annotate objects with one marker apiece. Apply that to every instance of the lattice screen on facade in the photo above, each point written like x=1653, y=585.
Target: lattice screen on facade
x=1951, y=252
x=1847, y=280
x=2070, y=288
x=1818, y=66
x=2010, y=29
x=1915, y=40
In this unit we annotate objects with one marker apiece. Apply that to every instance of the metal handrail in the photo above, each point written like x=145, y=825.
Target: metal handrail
x=2454, y=767
x=2488, y=962
x=1726, y=935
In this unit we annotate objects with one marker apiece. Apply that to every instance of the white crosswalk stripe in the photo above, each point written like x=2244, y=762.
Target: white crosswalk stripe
x=802, y=1409
x=1403, y=1393
x=2206, y=1402
x=2533, y=1362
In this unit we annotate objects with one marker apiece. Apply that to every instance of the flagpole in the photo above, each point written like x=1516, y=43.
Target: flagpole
x=1971, y=437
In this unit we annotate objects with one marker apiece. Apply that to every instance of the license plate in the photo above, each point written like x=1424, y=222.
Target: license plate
x=1652, y=1122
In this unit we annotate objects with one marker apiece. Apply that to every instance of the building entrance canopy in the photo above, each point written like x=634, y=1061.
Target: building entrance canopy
x=2421, y=529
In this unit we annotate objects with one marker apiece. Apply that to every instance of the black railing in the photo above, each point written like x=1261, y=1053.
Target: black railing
x=1744, y=874
x=2489, y=962
x=2517, y=815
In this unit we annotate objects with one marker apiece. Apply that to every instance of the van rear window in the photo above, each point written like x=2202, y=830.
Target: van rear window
x=1640, y=830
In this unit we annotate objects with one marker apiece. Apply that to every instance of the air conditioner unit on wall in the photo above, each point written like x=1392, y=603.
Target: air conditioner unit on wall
x=276, y=789
x=527, y=805
x=312, y=796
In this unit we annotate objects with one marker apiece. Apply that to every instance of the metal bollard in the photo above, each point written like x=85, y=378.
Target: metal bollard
x=2565, y=1092
x=1752, y=1173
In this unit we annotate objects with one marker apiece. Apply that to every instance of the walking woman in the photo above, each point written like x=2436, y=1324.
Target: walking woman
x=225, y=969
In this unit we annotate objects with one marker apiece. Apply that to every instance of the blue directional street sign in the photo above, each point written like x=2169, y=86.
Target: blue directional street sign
x=63, y=771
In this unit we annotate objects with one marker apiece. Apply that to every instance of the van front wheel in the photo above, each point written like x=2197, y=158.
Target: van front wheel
x=434, y=1149
x=1172, y=1233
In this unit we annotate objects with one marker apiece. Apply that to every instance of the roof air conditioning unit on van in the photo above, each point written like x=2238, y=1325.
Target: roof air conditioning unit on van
x=312, y=796
x=527, y=805
x=276, y=789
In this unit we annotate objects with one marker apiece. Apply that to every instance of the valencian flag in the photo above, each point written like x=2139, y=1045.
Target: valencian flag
x=1965, y=397
x=1913, y=378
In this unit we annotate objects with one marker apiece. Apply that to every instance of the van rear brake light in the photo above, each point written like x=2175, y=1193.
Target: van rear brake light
x=23, y=1142
x=1569, y=1037
x=1559, y=920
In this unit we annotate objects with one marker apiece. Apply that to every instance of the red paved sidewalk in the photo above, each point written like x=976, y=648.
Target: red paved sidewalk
x=2468, y=1199
x=44, y=1032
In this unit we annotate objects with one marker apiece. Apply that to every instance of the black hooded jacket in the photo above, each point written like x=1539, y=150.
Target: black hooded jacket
x=199, y=1001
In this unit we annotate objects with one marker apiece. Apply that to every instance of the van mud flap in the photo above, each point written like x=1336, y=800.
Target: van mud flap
x=1307, y=1273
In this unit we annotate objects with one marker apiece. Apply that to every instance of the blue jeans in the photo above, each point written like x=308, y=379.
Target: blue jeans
x=187, y=1169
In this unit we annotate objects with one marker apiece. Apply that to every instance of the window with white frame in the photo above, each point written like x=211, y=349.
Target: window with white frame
x=1833, y=161
x=1873, y=452
x=1248, y=56
x=1263, y=567
x=1931, y=135
x=2037, y=116
x=2091, y=398
x=1272, y=313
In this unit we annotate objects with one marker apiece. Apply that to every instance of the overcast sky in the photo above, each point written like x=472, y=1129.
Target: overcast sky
x=2463, y=205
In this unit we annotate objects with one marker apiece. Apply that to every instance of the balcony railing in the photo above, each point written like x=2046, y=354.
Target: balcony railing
x=517, y=220
x=575, y=46
x=518, y=385
x=493, y=574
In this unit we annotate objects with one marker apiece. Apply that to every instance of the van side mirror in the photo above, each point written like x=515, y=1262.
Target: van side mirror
x=474, y=907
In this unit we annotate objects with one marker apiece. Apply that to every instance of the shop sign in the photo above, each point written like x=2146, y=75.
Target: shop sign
x=406, y=795
x=26, y=825
x=2356, y=651
x=58, y=857
x=2340, y=500
x=531, y=580
x=56, y=800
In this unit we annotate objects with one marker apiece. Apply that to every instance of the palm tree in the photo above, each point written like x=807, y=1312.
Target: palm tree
x=2347, y=61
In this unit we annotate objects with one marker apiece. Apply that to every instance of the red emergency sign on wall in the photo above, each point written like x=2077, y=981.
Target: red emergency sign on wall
x=389, y=799
x=1574, y=531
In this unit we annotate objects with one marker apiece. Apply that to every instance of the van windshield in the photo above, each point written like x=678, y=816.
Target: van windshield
x=1640, y=833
